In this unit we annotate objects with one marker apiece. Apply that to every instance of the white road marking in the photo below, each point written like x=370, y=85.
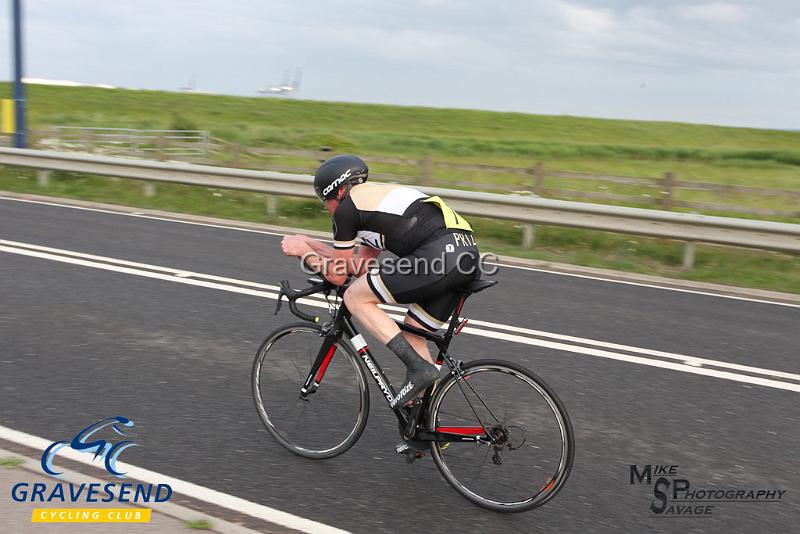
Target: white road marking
x=689, y=364
x=136, y=272
x=182, y=273
x=169, y=509
x=644, y=284
x=689, y=359
x=140, y=215
x=506, y=265
x=183, y=487
x=637, y=359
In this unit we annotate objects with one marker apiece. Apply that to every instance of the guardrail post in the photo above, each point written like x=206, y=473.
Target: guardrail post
x=688, y=256
x=425, y=169
x=667, y=199
x=538, y=178
x=87, y=140
x=133, y=144
x=204, y=149
x=272, y=206
x=43, y=178
x=236, y=152
x=537, y=187
x=149, y=189
x=528, y=233
x=161, y=144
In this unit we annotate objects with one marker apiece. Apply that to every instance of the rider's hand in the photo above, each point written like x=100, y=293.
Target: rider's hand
x=293, y=245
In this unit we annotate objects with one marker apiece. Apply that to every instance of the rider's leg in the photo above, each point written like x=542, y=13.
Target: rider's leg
x=420, y=373
x=437, y=272
x=363, y=304
x=420, y=344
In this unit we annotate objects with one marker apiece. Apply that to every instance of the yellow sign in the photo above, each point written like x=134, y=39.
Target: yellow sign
x=90, y=515
x=7, y=111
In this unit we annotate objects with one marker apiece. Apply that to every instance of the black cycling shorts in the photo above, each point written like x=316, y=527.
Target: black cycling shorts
x=428, y=278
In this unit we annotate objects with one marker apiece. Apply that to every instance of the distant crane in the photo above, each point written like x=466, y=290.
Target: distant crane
x=287, y=87
x=190, y=87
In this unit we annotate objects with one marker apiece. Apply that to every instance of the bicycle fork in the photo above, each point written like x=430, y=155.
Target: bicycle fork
x=317, y=372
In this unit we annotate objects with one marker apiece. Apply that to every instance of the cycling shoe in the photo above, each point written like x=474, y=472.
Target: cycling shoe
x=418, y=377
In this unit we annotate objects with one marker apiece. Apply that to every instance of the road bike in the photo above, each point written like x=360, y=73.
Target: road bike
x=497, y=433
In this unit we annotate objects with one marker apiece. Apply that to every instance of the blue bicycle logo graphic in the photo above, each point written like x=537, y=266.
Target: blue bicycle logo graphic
x=100, y=447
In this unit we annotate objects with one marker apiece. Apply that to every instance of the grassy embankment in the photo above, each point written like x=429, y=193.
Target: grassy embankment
x=742, y=156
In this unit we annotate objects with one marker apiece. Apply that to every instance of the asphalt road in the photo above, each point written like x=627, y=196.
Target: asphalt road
x=79, y=344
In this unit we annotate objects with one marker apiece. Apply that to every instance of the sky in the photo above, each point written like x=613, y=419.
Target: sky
x=720, y=62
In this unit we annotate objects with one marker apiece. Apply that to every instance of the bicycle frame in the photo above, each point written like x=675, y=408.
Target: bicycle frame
x=342, y=327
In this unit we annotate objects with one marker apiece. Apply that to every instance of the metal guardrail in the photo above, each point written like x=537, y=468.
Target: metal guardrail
x=686, y=227
x=663, y=193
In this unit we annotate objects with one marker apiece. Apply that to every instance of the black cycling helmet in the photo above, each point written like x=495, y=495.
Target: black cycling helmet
x=342, y=170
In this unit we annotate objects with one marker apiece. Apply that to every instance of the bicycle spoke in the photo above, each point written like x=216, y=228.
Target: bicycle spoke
x=291, y=378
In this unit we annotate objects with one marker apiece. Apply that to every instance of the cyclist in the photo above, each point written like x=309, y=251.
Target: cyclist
x=436, y=255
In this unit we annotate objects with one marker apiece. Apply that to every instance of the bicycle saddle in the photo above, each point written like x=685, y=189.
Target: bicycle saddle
x=477, y=285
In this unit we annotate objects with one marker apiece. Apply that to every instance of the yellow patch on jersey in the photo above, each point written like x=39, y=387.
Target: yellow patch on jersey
x=451, y=218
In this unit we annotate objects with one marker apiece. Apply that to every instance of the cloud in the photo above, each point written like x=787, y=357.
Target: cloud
x=573, y=56
x=587, y=20
x=715, y=12
x=691, y=37
x=412, y=46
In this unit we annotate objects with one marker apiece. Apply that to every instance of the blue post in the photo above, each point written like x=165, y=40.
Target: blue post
x=19, y=89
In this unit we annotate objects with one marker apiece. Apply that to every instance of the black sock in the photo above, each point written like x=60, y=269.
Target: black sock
x=400, y=346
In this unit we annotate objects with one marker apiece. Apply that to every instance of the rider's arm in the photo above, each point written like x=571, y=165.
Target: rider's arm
x=334, y=268
x=337, y=262
x=326, y=251
x=365, y=257
x=341, y=261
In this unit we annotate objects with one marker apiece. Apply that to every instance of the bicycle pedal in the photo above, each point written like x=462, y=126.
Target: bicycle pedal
x=413, y=456
x=410, y=449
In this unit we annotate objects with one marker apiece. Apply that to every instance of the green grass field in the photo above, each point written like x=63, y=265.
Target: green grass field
x=734, y=156
x=739, y=156
x=401, y=130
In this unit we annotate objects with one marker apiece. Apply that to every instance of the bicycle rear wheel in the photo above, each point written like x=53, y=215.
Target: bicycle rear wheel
x=319, y=425
x=526, y=447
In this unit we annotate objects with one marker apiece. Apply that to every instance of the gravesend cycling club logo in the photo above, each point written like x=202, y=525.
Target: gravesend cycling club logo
x=677, y=497
x=103, y=449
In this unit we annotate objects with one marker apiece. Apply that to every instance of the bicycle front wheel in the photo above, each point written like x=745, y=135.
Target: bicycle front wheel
x=525, y=444
x=324, y=423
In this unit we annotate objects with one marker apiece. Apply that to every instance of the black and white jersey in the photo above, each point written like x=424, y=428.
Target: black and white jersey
x=391, y=217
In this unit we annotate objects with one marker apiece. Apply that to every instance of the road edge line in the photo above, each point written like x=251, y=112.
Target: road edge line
x=175, y=511
x=190, y=489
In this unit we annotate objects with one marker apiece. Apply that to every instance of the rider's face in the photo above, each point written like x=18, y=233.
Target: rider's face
x=331, y=205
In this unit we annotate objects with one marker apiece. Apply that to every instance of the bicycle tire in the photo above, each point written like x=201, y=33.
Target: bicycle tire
x=448, y=455
x=343, y=375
